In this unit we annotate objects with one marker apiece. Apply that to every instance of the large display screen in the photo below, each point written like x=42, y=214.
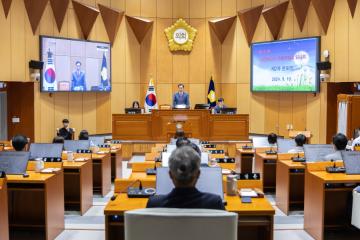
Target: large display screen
x=285, y=66
x=72, y=65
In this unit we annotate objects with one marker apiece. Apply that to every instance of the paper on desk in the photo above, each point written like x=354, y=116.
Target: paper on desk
x=247, y=192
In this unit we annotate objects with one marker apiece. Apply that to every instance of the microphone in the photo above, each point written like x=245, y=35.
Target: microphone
x=152, y=171
x=139, y=192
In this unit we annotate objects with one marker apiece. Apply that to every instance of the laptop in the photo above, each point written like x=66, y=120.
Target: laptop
x=210, y=181
x=166, y=156
x=74, y=145
x=45, y=150
x=285, y=145
x=351, y=162
x=14, y=162
x=317, y=152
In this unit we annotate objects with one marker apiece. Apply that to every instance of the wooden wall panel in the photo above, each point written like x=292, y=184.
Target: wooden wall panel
x=164, y=8
x=228, y=63
x=197, y=93
x=229, y=91
x=89, y=112
x=76, y=111
x=213, y=8
x=17, y=41
x=118, y=98
x=197, y=8
x=148, y=56
x=228, y=8
x=243, y=98
x=181, y=9
x=164, y=57
x=103, y=108
x=148, y=8
x=354, y=39
x=5, y=59
x=197, y=58
x=133, y=7
x=341, y=42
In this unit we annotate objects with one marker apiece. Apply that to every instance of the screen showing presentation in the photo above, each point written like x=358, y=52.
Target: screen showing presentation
x=75, y=66
x=285, y=66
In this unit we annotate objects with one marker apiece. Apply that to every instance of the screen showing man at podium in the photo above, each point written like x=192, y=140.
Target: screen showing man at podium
x=181, y=99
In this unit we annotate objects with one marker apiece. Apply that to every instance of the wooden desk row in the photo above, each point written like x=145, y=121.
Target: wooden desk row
x=34, y=206
x=255, y=219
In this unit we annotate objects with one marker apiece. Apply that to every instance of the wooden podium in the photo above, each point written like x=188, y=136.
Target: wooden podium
x=160, y=125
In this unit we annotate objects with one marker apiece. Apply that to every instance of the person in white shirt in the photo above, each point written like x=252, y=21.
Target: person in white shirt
x=340, y=142
x=300, y=140
x=356, y=142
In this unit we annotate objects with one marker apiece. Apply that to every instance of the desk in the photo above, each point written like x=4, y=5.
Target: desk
x=255, y=219
x=101, y=173
x=36, y=205
x=4, y=223
x=116, y=163
x=160, y=125
x=149, y=181
x=244, y=160
x=327, y=207
x=289, y=185
x=78, y=185
x=266, y=166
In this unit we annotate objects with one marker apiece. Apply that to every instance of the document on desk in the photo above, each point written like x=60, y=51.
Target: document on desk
x=247, y=192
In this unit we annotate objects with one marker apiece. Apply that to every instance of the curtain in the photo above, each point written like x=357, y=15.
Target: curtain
x=342, y=117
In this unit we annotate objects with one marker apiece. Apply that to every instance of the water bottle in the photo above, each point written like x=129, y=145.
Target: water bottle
x=39, y=165
x=231, y=185
x=70, y=156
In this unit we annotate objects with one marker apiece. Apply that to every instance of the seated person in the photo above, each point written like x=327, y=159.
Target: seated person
x=272, y=139
x=59, y=140
x=340, y=142
x=66, y=132
x=184, y=165
x=135, y=104
x=84, y=135
x=182, y=141
x=300, y=140
x=356, y=141
x=19, y=143
x=220, y=105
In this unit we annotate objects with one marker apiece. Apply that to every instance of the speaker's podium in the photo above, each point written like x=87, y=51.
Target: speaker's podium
x=160, y=125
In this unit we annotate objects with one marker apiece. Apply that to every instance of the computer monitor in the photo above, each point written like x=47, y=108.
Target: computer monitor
x=351, y=162
x=284, y=145
x=45, y=150
x=133, y=110
x=74, y=145
x=14, y=162
x=97, y=140
x=210, y=181
x=170, y=148
x=260, y=142
x=317, y=152
x=181, y=106
x=166, y=155
x=202, y=106
x=228, y=110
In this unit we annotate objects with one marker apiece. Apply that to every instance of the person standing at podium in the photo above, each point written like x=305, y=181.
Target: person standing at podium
x=181, y=97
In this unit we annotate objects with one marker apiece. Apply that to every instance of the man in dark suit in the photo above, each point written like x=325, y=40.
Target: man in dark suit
x=78, y=82
x=66, y=132
x=181, y=97
x=184, y=165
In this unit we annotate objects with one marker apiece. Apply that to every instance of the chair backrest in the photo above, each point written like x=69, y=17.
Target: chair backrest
x=179, y=224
